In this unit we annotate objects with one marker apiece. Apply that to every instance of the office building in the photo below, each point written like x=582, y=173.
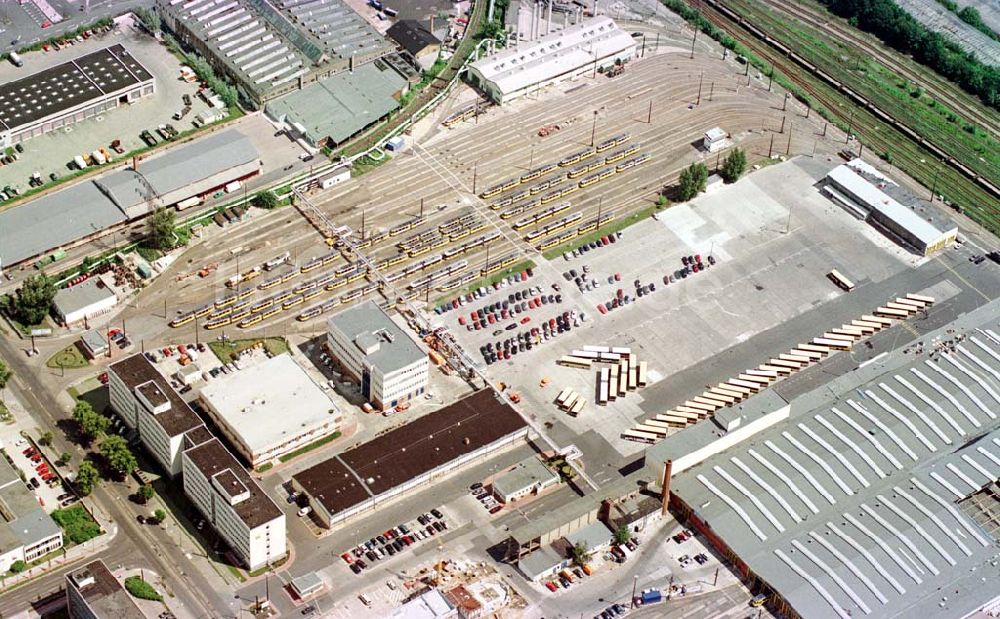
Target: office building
x=374, y=351
x=26, y=531
x=93, y=592
x=269, y=409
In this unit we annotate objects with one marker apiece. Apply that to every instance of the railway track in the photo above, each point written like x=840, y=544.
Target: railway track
x=915, y=155
x=933, y=84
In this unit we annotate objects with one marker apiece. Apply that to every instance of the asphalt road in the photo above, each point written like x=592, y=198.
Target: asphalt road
x=19, y=28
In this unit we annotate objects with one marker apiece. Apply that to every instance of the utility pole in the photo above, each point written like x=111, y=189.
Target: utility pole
x=421, y=207
x=770, y=78
x=825, y=125
x=593, y=130
x=934, y=185
x=784, y=103
x=711, y=91
x=769, y=148
x=649, y=115
x=700, y=80
x=693, y=39
x=850, y=128
x=475, y=170
x=783, y=124
x=642, y=53
x=788, y=147
x=363, y=219
x=635, y=581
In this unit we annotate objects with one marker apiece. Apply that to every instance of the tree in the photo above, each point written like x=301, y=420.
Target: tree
x=160, y=229
x=693, y=180
x=146, y=492
x=5, y=374
x=149, y=18
x=160, y=515
x=622, y=534
x=87, y=477
x=120, y=458
x=34, y=299
x=91, y=423
x=18, y=566
x=734, y=166
x=45, y=439
x=580, y=553
x=64, y=458
x=265, y=200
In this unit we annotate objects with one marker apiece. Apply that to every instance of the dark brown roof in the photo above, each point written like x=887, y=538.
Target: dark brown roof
x=409, y=451
x=137, y=370
x=211, y=458
x=197, y=436
x=412, y=36
x=105, y=595
x=332, y=484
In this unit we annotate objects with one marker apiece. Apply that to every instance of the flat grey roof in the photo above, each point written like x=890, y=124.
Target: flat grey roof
x=525, y=473
x=81, y=296
x=28, y=523
x=854, y=505
x=95, y=340
x=341, y=105
x=874, y=198
x=368, y=318
x=68, y=85
x=65, y=216
x=539, y=562
x=594, y=535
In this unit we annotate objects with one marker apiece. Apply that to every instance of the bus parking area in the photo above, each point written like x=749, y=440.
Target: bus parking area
x=763, y=258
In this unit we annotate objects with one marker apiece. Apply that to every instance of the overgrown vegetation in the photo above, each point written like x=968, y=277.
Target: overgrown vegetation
x=897, y=28
x=77, y=524
x=307, y=448
x=266, y=200
x=141, y=589
x=160, y=227
x=230, y=349
x=971, y=16
x=33, y=300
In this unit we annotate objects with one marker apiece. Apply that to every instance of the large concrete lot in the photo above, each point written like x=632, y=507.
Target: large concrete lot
x=766, y=275
x=54, y=151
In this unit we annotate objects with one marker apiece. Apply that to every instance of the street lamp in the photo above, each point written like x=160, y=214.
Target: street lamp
x=593, y=129
x=635, y=581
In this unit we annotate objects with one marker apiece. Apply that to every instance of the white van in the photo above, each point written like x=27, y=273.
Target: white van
x=367, y=601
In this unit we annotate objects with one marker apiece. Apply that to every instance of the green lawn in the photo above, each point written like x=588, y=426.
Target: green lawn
x=141, y=589
x=230, y=349
x=614, y=226
x=68, y=358
x=487, y=281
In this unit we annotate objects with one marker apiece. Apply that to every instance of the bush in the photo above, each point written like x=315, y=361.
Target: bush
x=734, y=166
x=18, y=566
x=160, y=515
x=77, y=524
x=141, y=589
x=693, y=180
x=266, y=200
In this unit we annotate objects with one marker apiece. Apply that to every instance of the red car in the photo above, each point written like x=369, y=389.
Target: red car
x=601, y=308
x=48, y=477
x=348, y=559
x=618, y=277
x=526, y=320
x=461, y=320
x=103, y=378
x=551, y=586
x=168, y=352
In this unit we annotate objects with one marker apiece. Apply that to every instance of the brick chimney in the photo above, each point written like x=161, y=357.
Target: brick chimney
x=668, y=468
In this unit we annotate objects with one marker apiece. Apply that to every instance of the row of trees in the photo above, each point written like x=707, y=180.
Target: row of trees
x=32, y=301
x=114, y=449
x=886, y=20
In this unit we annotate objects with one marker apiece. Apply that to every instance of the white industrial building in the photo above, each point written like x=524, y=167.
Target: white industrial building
x=715, y=139
x=377, y=353
x=851, y=185
x=84, y=301
x=269, y=409
x=529, y=476
x=581, y=49
x=238, y=509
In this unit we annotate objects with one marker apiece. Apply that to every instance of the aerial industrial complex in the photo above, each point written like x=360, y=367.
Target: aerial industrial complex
x=363, y=308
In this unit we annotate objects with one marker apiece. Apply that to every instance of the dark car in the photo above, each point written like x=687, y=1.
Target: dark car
x=437, y=514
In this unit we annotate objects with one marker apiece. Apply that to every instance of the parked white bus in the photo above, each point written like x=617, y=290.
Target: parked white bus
x=639, y=436
x=839, y=279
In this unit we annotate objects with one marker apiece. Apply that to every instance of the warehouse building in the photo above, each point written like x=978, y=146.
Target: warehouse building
x=410, y=456
x=877, y=497
x=146, y=402
x=331, y=110
x=270, y=409
x=26, y=531
x=74, y=215
x=271, y=49
x=919, y=227
x=581, y=49
x=238, y=509
x=529, y=476
x=84, y=301
x=93, y=592
x=377, y=353
x=70, y=92
x=417, y=42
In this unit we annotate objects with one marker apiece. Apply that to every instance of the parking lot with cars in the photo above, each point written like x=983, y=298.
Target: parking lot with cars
x=393, y=541
x=40, y=475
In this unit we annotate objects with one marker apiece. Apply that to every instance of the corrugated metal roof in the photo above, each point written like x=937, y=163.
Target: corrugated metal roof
x=850, y=506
